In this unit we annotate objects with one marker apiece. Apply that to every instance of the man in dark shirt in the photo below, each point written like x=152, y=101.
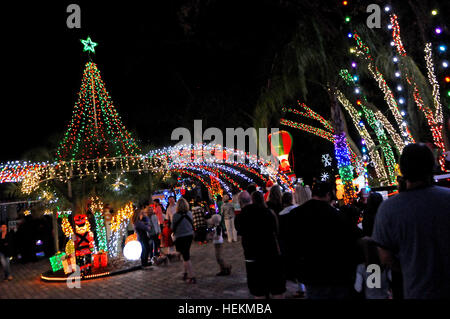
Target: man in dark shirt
x=412, y=229
x=258, y=226
x=322, y=246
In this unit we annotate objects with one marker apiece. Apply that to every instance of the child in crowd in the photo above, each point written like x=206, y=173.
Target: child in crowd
x=167, y=242
x=225, y=269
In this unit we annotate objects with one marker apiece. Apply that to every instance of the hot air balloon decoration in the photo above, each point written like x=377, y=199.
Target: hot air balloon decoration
x=281, y=145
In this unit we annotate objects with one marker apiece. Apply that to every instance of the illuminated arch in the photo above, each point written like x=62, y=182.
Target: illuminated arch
x=232, y=167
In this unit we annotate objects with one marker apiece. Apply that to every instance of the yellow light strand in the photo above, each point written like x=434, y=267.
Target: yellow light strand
x=66, y=227
x=399, y=144
x=434, y=83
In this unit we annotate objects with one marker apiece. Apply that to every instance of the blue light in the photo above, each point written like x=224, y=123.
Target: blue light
x=442, y=48
x=349, y=35
x=355, y=78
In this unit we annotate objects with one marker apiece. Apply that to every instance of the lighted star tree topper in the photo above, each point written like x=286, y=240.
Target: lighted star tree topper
x=89, y=45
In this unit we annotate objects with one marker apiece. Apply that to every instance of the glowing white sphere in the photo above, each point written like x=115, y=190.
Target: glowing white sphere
x=132, y=250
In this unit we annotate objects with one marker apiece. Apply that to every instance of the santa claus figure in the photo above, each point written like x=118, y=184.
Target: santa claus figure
x=84, y=243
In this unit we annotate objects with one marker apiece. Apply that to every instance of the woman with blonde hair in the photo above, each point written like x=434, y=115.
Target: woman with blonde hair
x=183, y=231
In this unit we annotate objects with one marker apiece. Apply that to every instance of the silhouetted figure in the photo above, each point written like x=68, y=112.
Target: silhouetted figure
x=373, y=203
x=258, y=226
x=322, y=245
x=412, y=229
x=274, y=199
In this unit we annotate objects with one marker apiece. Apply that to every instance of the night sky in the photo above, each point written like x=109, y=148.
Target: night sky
x=155, y=71
x=164, y=63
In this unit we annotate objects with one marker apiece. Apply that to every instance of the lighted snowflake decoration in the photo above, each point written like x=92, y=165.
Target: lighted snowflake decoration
x=326, y=160
x=324, y=177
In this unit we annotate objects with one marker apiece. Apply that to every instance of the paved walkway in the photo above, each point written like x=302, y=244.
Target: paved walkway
x=156, y=282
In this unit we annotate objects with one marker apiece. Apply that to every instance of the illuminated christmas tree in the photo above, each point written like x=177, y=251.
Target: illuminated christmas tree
x=96, y=130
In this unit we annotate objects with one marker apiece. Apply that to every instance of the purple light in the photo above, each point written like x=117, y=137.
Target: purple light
x=353, y=64
x=438, y=30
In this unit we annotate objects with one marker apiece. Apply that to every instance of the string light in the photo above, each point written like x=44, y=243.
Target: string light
x=119, y=222
x=95, y=127
x=376, y=74
x=320, y=133
x=155, y=161
x=377, y=127
x=14, y=172
x=66, y=227
x=396, y=35
x=376, y=159
x=70, y=247
x=56, y=261
x=309, y=113
x=96, y=207
x=344, y=166
x=434, y=120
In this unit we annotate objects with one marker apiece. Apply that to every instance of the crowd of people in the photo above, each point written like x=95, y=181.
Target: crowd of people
x=179, y=225
x=399, y=250
x=373, y=248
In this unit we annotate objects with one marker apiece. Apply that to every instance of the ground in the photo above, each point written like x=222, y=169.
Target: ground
x=157, y=282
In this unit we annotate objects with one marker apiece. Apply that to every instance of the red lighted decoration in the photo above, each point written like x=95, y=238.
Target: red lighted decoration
x=100, y=260
x=281, y=145
x=221, y=155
